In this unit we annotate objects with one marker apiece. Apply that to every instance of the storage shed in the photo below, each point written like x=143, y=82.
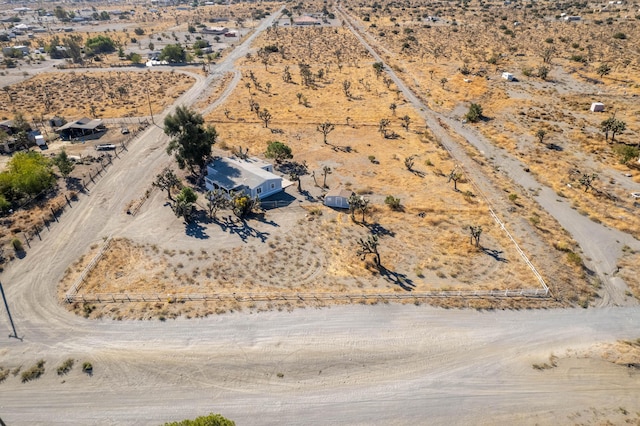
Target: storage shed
x=338, y=198
x=507, y=76
x=597, y=107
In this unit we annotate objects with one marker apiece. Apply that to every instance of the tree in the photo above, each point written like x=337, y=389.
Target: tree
x=369, y=246
x=63, y=163
x=242, y=204
x=190, y=140
x=587, y=181
x=393, y=108
x=406, y=120
x=184, y=203
x=210, y=420
x=476, y=231
x=603, y=69
x=475, y=113
x=617, y=127
x=278, y=151
x=217, y=199
x=326, y=170
x=346, y=88
x=166, y=181
x=378, y=67
x=392, y=202
x=27, y=173
x=326, y=128
x=382, y=126
x=454, y=176
x=443, y=81
x=540, y=134
x=100, y=44
x=138, y=31
x=265, y=116
x=173, y=53
x=409, y=161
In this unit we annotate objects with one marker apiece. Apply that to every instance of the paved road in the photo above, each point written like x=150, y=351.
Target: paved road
x=602, y=246
x=355, y=364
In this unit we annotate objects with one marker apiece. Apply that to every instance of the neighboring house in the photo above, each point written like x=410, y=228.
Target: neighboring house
x=337, y=198
x=597, y=107
x=253, y=176
x=215, y=30
x=507, y=76
x=80, y=128
x=6, y=51
x=306, y=20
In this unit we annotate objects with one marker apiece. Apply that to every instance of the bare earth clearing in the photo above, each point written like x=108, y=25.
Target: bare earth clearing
x=385, y=364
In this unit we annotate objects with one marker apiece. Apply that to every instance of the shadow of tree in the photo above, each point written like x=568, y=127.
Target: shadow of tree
x=496, y=254
x=377, y=229
x=241, y=228
x=397, y=278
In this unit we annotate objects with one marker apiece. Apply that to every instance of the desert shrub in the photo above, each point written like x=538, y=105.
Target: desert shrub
x=475, y=113
x=17, y=244
x=620, y=36
x=139, y=31
x=3, y=374
x=513, y=197
x=578, y=58
x=574, y=258
x=372, y=158
x=34, y=372
x=87, y=367
x=625, y=153
x=5, y=206
x=65, y=367
x=392, y=202
x=210, y=420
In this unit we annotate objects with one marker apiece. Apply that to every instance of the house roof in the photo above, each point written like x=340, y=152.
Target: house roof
x=339, y=192
x=232, y=173
x=83, y=123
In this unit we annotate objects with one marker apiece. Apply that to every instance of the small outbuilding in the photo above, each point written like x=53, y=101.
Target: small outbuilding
x=338, y=198
x=507, y=76
x=597, y=107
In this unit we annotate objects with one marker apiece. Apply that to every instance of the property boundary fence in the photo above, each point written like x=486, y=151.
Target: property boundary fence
x=310, y=297
x=80, y=280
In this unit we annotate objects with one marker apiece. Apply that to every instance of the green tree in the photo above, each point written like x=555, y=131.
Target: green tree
x=139, y=31
x=63, y=163
x=217, y=199
x=28, y=173
x=210, y=420
x=100, y=44
x=190, y=141
x=184, y=203
x=278, y=151
x=540, y=134
x=173, y=53
x=325, y=128
x=166, y=181
x=242, y=204
x=475, y=113
x=378, y=67
x=604, y=69
x=369, y=246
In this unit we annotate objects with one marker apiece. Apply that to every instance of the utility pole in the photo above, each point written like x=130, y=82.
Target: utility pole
x=8, y=313
x=150, y=110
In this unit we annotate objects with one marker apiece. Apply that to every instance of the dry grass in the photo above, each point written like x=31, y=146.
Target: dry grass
x=97, y=94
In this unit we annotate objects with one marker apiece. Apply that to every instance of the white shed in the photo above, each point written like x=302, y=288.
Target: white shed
x=507, y=76
x=337, y=198
x=40, y=140
x=597, y=107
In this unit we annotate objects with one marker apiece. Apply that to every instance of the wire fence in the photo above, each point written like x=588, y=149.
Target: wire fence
x=535, y=293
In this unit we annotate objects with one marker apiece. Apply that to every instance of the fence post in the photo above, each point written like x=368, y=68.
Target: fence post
x=37, y=232
x=54, y=213
x=27, y=240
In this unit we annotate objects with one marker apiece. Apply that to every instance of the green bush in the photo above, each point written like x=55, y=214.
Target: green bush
x=625, y=153
x=87, y=367
x=65, y=367
x=620, y=36
x=17, y=244
x=392, y=202
x=5, y=206
x=475, y=113
x=210, y=420
x=574, y=258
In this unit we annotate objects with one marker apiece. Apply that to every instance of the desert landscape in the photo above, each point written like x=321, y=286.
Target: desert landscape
x=491, y=211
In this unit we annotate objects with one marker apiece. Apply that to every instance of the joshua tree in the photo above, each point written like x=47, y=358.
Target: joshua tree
x=587, y=181
x=476, y=231
x=326, y=128
x=216, y=200
x=240, y=153
x=382, y=126
x=393, y=107
x=540, y=134
x=369, y=246
x=604, y=69
x=454, y=176
x=618, y=127
x=408, y=162
x=346, y=87
x=378, y=67
x=406, y=120
x=286, y=74
x=166, y=181
x=265, y=116
x=443, y=81
x=326, y=170
x=299, y=96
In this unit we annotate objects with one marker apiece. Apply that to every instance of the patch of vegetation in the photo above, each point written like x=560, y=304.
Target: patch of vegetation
x=87, y=367
x=210, y=420
x=65, y=367
x=392, y=202
x=3, y=374
x=553, y=362
x=34, y=372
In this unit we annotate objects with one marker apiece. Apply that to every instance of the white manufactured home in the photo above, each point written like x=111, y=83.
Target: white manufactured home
x=253, y=176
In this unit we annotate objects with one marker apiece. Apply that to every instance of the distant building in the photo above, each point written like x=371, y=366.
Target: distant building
x=215, y=30
x=338, y=198
x=81, y=128
x=507, y=76
x=306, y=20
x=597, y=107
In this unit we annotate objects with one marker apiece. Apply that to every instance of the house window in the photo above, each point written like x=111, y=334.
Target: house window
x=259, y=191
x=273, y=185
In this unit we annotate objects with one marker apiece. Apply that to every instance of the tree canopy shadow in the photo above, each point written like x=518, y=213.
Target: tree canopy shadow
x=241, y=228
x=377, y=229
x=75, y=184
x=397, y=278
x=194, y=229
x=496, y=254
